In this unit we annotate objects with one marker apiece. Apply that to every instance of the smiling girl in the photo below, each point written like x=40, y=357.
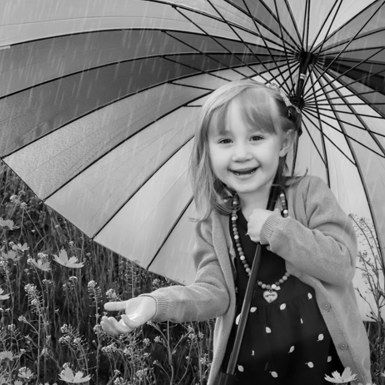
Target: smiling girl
x=304, y=321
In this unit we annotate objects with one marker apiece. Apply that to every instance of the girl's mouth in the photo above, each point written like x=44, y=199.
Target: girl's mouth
x=245, y=171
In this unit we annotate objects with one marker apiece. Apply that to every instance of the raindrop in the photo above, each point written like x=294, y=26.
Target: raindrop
x=241, y=368
x=253, y=310
x=310, y=364
x=237, y=319
x=301, y=320
x=252, y=352
x=329, y=359
x=309, y=296
x=291, y=349
x=320, y=337
x=268, y=330
x=274, y=374
x=283, y=306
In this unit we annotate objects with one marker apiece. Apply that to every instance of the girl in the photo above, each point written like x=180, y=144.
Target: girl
x=303, y=322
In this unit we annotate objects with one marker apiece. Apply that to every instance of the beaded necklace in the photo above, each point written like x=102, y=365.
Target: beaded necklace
x=270, y=294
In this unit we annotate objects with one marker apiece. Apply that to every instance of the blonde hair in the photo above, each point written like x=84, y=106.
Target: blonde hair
x=261, y=106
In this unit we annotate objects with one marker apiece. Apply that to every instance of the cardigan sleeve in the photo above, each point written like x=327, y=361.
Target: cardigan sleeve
x=321, y=240
x=207, y=297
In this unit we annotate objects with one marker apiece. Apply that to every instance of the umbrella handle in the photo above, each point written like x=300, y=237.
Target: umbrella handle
x=248, y=296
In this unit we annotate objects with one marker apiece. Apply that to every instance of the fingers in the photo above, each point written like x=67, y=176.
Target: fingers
x=113, y=327
x=115, y=306
x=137, y=310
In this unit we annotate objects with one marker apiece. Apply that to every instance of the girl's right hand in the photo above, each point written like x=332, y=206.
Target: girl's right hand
x=138, y=311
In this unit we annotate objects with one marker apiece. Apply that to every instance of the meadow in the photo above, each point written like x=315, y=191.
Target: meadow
x=54, y=282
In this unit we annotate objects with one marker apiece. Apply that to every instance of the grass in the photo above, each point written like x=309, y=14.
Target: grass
x=53, y=284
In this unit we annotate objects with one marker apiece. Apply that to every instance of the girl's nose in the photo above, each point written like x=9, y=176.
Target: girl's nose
x=241, y=153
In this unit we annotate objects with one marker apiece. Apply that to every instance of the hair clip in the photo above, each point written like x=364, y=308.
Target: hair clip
x=275, y=86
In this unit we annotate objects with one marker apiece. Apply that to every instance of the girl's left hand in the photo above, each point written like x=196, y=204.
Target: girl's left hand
x=256, y=220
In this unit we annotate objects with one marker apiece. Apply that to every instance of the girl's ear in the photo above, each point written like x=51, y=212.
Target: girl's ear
x=287, y=141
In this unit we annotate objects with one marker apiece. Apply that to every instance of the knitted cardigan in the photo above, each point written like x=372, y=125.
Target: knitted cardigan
x=318, y=243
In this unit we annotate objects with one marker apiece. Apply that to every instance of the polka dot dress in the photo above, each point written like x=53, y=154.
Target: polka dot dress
x=285, y=341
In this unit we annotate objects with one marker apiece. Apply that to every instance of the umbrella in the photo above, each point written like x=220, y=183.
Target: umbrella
x=99, y=100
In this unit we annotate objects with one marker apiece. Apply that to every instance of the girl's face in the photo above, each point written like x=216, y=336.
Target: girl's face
x=245, y=158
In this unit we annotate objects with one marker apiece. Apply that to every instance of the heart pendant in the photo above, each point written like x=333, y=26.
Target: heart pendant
x=270, y=296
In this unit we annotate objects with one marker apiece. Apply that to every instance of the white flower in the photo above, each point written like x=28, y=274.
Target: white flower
x=337, y=378
x=67, y=375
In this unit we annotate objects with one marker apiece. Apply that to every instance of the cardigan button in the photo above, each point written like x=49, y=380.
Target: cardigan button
x=326, y=306
x=343, y=346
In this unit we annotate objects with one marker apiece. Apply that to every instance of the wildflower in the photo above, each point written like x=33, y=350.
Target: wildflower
x=20, y=247
x=67, y=375
x=23, y=319
x=92, y=284
x=11, y=327
x=72, y=262
x=141, y=373
x=11, y=254
x=146, y=341
x=44, y=352
x=7, y=223
x=337, y=378
x=64, y=329
x=98, y=329
x=31, y=289
x=6, y=355
x=39, y=264
x=111, y=295
x=3, y=296
x=25, y=373
x=157, y=339
x=127, y=351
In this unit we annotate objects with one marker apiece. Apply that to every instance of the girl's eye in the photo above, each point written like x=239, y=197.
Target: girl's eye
x=225, y=141
x=256, y=138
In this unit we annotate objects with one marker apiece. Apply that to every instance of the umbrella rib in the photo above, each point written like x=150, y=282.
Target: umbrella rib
x=360, y=173
x=344, y=25
x=284, y=47
x=363, y=61
x=378, y=143
x=208, y=55
x=313, y=141
x=267, y=27
x=324, y=136
x=139, y=187
x=170, y=232
x=343, y=42
x=295, y=24
x=318, y=118
x=240, y=38
x=120, y=143
x=340, y=53
x=212, y=37
x=306, y=24
x=330, y=26
x=346, y=122
x=267, y=47
x=313, y=101
x=348, y=136
x=197, y=11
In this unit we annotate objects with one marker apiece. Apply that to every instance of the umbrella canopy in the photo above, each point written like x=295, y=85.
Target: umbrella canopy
x=99, y=101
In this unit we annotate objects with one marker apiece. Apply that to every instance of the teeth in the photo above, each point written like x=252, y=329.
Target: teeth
x=244, y=172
